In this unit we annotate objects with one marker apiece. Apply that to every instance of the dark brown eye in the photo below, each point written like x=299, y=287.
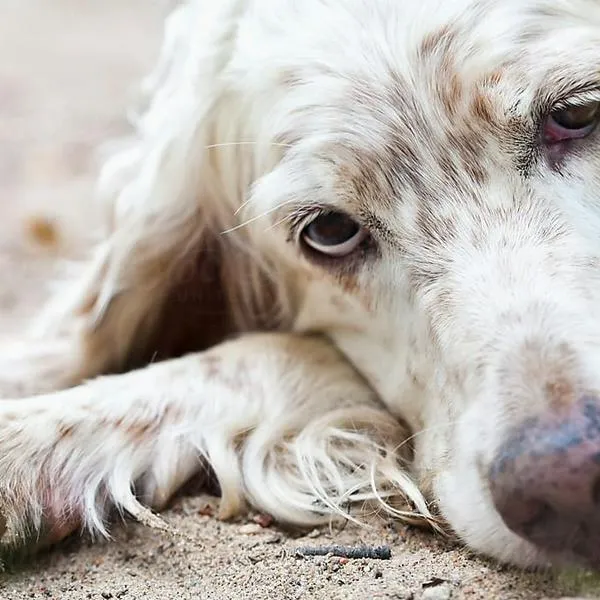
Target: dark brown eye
x=334, y=234
x=577, y=118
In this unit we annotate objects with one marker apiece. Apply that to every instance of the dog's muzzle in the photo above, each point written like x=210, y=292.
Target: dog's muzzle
x=545, y=481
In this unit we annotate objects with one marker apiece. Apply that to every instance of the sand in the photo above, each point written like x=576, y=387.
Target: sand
x=66, y=74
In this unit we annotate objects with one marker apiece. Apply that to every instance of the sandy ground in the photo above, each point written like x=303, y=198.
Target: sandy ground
x=66, y=71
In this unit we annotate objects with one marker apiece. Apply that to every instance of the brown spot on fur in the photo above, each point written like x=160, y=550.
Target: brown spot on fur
x=438, y=46
x=455, y=88
x=349, y=283
x=436, y=41
x=482, y=109
x=65, y=431
x=493, y=78
x=561, y=392
x=537, y=377
x=139, y=430
x=451, y=91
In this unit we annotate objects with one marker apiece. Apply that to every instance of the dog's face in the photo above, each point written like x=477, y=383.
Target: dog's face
x=439, y=208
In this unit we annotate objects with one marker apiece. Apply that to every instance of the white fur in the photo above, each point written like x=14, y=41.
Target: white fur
x=241, y=408
x=258, y=111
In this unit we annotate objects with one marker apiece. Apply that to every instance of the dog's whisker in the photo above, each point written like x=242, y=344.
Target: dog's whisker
x=248, y=143
x=263, y=215
x=250, y=221
x=251, y=199
x=285, y=219
x=421, y=432
x=243, y=205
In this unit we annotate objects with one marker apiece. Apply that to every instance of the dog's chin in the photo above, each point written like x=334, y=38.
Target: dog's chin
x=465, y=504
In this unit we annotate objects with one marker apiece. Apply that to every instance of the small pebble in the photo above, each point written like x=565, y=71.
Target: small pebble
x=251, y=529
x=263, y=520
x=206, y=511
x=440, y=592
x=274, y=539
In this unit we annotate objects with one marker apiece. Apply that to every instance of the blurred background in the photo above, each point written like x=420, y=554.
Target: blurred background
x=69, y=70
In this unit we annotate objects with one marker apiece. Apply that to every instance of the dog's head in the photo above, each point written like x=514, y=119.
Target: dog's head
x=437, y=207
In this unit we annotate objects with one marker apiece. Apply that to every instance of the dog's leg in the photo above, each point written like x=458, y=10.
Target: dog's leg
x=282, y=421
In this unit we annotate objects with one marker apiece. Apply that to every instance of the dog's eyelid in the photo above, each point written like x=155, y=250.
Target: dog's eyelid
x=576, y=101
x=571, y=97
x=301, y=217
x=555, y=96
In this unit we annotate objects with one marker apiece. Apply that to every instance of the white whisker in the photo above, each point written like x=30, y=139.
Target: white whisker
x=249, y=221
x=249, y=143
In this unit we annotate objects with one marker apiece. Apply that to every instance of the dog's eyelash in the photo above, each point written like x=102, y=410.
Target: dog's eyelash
x=580, y=99
x=569, y=97
x=301, y=217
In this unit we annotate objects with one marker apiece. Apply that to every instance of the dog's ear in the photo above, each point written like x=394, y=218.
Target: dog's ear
x=167, y=280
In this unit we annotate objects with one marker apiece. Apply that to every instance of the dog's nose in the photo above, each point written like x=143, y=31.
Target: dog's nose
x=545, y=482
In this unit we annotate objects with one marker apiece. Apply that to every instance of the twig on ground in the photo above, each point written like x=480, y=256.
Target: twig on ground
x=375, y=552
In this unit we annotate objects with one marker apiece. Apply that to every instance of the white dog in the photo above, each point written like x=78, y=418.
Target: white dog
x=340, y=222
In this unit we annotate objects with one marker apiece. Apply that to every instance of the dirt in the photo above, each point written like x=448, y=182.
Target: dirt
x=67, y=69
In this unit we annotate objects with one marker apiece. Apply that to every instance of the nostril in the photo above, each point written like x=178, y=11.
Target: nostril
x=543, y=515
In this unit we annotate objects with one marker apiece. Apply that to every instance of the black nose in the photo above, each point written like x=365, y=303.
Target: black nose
x=545, y=482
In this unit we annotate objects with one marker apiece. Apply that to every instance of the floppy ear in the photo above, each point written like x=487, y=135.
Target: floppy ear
x=166, y=281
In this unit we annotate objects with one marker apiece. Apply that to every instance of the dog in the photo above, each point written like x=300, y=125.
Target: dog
x=350, y=262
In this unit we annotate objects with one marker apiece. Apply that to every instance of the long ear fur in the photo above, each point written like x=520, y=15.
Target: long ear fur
x=166, y=278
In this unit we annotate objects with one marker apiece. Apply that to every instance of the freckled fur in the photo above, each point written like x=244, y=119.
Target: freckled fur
x=418, y=119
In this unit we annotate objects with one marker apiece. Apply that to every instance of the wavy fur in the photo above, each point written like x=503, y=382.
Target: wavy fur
x=417, y=120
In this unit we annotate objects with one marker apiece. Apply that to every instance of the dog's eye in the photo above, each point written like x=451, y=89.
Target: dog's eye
x=334, y=234
x=572, y=123
x=577, y=117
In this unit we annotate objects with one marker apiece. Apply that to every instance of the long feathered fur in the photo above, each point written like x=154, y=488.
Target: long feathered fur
x=283, y=422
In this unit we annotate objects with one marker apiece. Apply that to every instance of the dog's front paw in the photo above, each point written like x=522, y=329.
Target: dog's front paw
x=36, y=506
